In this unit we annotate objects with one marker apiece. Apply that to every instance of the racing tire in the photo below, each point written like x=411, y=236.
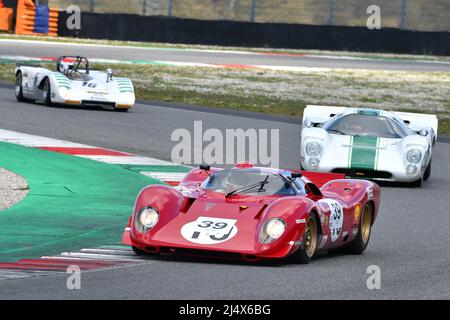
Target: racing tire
x=46, y=93
x=417, y=183
x=18, y=88
x=427, y=173
x=310, y=242
x=359, y=245
x=138, y=251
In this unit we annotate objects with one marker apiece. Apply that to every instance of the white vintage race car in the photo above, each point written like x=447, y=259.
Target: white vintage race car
x=73, y=83
x=368, y=143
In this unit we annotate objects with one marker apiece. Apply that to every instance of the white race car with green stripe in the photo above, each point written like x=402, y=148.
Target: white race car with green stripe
x=73, y=83
x=368, y=143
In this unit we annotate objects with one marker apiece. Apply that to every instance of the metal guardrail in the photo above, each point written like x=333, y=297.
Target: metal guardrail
x=429, y=15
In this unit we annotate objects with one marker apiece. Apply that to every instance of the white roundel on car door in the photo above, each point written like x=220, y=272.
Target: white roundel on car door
x=207, y=230
x=336, y=220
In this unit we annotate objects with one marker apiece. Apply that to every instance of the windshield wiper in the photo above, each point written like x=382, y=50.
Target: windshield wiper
x=260, y=185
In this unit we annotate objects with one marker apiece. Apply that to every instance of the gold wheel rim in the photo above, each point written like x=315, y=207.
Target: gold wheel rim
x=310, y=237
x=366, y=222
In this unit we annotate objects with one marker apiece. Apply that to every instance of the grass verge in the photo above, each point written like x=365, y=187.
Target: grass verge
x=286, y=93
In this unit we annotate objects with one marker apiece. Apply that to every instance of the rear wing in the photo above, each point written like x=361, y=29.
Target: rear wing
x=320, y=114
x=417, y=121
x=320, y=178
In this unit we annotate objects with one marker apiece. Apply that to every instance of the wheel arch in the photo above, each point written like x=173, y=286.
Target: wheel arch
x=41, y=83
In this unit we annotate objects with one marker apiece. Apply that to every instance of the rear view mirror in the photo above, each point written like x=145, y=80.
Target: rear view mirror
x=423, y=132
x=205, y=167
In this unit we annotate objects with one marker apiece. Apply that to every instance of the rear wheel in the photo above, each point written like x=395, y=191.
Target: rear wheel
x=46, y=93
x=364, y=231
x=18, y=88
x=309, y=243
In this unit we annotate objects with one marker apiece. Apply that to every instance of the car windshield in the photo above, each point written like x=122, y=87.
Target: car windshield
x=229, y=180
x=367, y=126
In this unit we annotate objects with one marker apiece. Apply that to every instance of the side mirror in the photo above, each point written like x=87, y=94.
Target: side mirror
x=205, y=167
x=332, y=115
x=296, y=175
x=423, y=132
x=407, y=121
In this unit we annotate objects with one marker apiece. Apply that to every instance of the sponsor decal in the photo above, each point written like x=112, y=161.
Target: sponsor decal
x=209, y=231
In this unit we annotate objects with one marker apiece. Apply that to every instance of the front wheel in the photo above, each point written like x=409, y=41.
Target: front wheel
x=19, y=88
x=138, y=251
x=364, y=231
x=46, y=93
x=309, y=244
x=427, y=173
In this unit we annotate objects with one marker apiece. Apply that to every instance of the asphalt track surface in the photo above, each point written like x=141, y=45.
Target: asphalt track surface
x=410, y=240
x=39, y=49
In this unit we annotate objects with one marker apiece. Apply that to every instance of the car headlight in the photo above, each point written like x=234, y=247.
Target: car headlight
x=414, y=156
x=411, y=170
x=314, y=163
x=272, y=230
x=312, y=149
x=146, y=219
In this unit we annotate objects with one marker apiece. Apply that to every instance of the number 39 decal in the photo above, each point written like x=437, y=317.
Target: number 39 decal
x=336, y=219
x=207, y=230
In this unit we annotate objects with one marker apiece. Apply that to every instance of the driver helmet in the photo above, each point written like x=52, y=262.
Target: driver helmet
x=238, y=179
x=66, y=66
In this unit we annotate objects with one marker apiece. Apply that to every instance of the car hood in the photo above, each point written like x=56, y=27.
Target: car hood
x=243, y=215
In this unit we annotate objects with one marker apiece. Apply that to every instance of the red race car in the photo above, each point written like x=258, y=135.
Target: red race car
x=254, y=214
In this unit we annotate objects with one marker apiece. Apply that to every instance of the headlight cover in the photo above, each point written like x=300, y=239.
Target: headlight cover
x=414, y=156
x=272, y=230
x=146, y=219
x=312, y=149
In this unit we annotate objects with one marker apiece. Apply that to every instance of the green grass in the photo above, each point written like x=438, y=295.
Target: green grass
x=285, y=93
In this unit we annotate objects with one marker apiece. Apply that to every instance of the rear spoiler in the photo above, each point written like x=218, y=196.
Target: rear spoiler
x=19, y=65
x=319, y=114
x=416, y=121
x=320, y=178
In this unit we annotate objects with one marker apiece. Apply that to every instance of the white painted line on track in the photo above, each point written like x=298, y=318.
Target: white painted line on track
x=109, y=251
x=131, y=160
x=165, y=176
x=29, y=140
x=100, y=257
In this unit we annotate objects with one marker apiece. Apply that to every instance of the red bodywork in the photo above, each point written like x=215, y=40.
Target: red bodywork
x=186, y=203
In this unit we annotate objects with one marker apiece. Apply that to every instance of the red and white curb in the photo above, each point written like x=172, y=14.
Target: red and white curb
x=159, y=167
x=105, y=257
x=90, y=258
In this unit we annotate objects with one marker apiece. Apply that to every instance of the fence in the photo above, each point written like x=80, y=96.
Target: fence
x=420, y=15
